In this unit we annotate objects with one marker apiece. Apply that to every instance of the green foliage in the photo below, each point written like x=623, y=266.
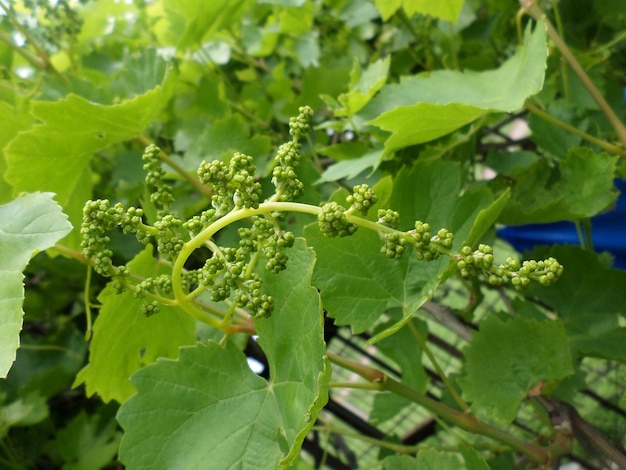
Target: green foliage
x=317, y=185
x=30, y=223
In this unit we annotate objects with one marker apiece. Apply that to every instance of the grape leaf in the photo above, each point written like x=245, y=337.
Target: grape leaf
x=55, y=154
x=387, y=7
x=591, y=299
x=363, y=86
x=88, y=442
x=448, y=10
x=125, y=339
x=190, y=21
x=425, y=107
x=583, y=188
x=358, y=283
x=28, y=224
x=507, y=359
x=13, y=120
x=427, y=459
x=208, y=406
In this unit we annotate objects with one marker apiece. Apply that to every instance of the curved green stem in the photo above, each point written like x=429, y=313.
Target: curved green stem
x=574, y=130
x=433, y=360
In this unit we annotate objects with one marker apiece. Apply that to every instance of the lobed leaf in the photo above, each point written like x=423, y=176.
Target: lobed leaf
x=425, y=107
x=358, y=284
x=363, y=86
x=583, y=188
x=252, y=423
x=54, y=155
x=505, y=360
x=28, y=224
x=125, y=339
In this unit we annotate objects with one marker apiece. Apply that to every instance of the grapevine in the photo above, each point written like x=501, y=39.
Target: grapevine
x=230, y=273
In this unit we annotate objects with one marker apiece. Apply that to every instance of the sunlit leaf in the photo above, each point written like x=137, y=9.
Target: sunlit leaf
x=28, y=224
x=423, y=107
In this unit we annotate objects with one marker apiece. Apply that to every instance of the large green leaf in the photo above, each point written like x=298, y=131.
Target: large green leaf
x=54, y=155
x=582, y=187
x=191, y=21
x=208, y=406
x=445, y=9
x=590, y=298
x=425, y=107
x=125, y=339
x=363, y=86
x=358, y=283
x=28, y=224
x=507, y=359
x=14, y=119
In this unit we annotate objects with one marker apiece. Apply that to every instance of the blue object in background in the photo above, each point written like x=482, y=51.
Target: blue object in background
x=608, y=232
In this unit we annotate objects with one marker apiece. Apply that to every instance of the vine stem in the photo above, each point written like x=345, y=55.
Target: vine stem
x=463, y=420
x=574, y=130
x=535, y=11
x=433, y=360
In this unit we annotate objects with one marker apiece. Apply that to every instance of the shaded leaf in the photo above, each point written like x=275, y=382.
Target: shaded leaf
x=581, y=187
x=28, y=224
x=507, y=359
x=427, y=459
x=88, y=442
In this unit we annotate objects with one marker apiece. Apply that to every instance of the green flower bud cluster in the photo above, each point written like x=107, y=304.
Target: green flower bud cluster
x=234, y=183
x=267, y=237
x=226, y=272
x=284, y=177
x=98, y=219
x=162, y=193
x=388, y=218
x=394, y=244
x=333, y=222
x=300, y=125
x=169, y=239
x=470, y=263
x=362, y=199
x=427, y=246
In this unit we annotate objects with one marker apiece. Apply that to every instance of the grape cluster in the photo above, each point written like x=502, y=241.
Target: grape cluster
x=333, y=222
x=161, y=193
x=362, y=199
x=234, y=183
x=471, y=262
